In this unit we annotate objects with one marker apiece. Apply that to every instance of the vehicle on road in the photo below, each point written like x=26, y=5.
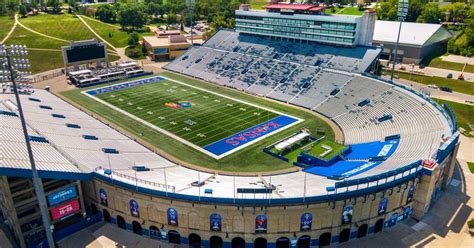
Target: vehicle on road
x=450, y=75
x=433, y=86
x=446, y=89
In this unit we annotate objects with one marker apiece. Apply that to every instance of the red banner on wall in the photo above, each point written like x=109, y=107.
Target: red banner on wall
x=65, y=209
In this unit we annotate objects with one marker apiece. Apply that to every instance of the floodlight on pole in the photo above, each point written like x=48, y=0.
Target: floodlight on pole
x=13, y=65
x=402, y=14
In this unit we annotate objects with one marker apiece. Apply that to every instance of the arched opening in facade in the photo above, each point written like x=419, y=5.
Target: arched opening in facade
x=94, y=209
x=260, y=243
x=121, y=222
x=238, y=242
x=362, y=231
x=304, y=241
x=194, y=240
x=344, y=235
x=378, y=226
x=137, y=228
x=155, y=232
x=325, y=239
x=174, y=237
x=106, y=216
x=216, y=242
x=282, y=242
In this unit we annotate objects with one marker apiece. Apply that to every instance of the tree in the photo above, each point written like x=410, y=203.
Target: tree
x=12, y=7
x=55, y=5
x=171, y=18
x=388, y=10
x=106, y=13
x=431, y=13
x=133, y=39
x=457, y=12
x=22, y=10
x=132, y=15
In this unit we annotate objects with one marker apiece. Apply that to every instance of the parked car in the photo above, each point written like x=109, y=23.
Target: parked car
x=421, y=66
x=433, y=86
x=446, y=89
x=450, y=75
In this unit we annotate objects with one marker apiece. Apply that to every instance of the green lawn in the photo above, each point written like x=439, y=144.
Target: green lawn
x=111, y=33
x=456, y=85
x=471, y=166
x=6, y=23
x=45, y=60
x=250, y=159
x=439, y=63
x=25, y=37
x=258, y=4
x=329, y=11
x=351, y=11
x=464, y=114
x=63, y=26
x=314, y=149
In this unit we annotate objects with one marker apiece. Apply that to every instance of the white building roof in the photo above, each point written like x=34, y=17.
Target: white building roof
x=412, y=33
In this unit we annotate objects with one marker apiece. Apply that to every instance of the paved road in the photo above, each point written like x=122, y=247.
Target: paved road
x=434, y=93
x=432, y=71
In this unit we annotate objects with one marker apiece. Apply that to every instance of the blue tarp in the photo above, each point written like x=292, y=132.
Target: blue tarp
x=342, y=168
x=373, y=149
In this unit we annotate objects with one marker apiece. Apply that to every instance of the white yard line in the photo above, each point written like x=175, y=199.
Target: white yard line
x=298, y=120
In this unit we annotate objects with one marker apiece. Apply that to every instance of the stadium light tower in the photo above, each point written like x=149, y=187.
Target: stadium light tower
x=402, y=14
x=12, y=66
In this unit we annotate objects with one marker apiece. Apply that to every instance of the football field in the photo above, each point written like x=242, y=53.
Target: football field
x=212, y=123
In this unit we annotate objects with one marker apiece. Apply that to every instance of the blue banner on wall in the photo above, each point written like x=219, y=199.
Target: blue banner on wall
x=382, y=206
x=306, y=222
x=103, y=197
x=134, y=209
x=61, y=196
x=261, y=224
x=215, y=222
x=347, y=215
x=172, y=217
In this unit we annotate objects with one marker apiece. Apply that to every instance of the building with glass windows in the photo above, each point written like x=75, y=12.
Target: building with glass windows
x=334, y=30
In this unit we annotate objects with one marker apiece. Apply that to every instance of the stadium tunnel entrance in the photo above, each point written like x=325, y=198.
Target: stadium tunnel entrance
x=325, y=239
x=282, y=242
x=362, y=231
x=194, y=240
x=260, y=243
x=106, y=216
x=216, y=242
x=378, y=226
x=174, y=237
x=304, y=241
x=344, y=235
x=137, y=228
x=238, y=242
x=121, y=222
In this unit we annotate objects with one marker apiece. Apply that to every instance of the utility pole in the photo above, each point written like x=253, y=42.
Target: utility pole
x=402, y=14
x=11, y=63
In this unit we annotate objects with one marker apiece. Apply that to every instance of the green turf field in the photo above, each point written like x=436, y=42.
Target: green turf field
x=209, y=118
x=250, y=159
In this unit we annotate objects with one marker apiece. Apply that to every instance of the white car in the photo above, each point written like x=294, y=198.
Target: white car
x=432, y=86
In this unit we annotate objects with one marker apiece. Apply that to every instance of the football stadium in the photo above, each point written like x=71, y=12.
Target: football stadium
x=269, y=135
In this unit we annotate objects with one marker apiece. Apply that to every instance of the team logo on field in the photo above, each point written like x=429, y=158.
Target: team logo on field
x=178, y=105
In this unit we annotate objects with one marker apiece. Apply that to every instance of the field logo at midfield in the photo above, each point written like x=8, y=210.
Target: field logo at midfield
x=178, y=105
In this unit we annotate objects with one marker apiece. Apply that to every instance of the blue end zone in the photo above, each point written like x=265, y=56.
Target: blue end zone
x=350, y=167
x=125, y=85
x=232, y=142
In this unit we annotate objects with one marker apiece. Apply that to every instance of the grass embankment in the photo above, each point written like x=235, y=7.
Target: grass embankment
x=464, y=114
x=250, y=159
x=454, y=84
x=62, y=26
x=6, y=23
x=112, y=33
x=471, y=166
x=351, y=11
x=439, y=63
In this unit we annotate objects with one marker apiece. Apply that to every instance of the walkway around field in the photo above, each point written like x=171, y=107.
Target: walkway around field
x=433, y=71
x=458, y=59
